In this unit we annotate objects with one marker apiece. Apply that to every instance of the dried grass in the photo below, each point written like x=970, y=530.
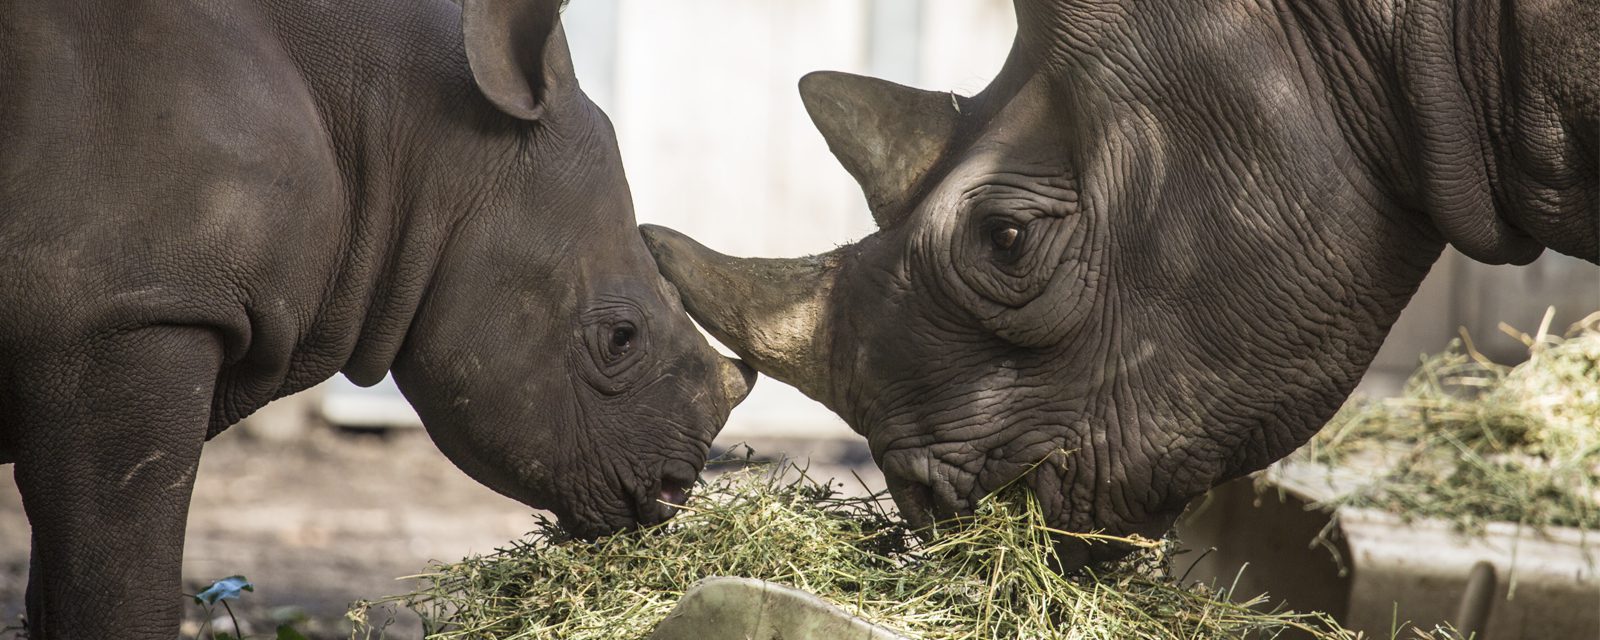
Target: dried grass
x=990, y=577
x=1471, y=441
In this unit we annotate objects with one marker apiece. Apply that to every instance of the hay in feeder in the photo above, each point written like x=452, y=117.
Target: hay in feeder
x=991, y=577
x=1471, y=441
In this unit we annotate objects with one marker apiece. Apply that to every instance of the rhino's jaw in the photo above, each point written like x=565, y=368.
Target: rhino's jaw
x=931, y=495
x=625, y=505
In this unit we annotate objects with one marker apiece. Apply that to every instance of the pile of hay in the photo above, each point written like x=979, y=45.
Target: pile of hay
x=1471, y=441
x=991, y=578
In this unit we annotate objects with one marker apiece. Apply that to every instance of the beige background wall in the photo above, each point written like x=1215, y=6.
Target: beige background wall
x=716, y=141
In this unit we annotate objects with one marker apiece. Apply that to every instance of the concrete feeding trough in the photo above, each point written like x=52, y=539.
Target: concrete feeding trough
x=1375, y=572
x=749, y=609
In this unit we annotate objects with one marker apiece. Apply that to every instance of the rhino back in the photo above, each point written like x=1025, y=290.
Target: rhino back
x=163, y=163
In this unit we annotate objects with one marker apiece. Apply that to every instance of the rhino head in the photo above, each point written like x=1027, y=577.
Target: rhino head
x=548, y=359
x=1156, y=253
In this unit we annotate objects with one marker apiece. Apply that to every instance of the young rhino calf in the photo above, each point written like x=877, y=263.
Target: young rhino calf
x=208, y=205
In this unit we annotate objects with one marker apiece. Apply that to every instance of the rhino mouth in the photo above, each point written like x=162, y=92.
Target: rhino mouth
x=670, y=493
x=635, y=508
x=915, y=502
x=932, y=507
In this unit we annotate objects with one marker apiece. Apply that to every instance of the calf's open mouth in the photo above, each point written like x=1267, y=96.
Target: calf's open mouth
x=670, y=493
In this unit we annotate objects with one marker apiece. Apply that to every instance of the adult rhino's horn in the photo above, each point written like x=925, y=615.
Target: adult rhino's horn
x=887, y=135
x=769, y=311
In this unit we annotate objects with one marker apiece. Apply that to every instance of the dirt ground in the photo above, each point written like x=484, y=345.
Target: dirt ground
x=328, y=517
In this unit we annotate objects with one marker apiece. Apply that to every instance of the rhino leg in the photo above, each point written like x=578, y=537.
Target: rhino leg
x=110, y=441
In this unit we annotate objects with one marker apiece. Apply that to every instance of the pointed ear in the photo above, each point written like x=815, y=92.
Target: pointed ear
x=518, y=53
x=888, y=136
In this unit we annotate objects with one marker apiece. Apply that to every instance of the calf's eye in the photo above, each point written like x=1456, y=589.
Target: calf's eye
x=622, y=337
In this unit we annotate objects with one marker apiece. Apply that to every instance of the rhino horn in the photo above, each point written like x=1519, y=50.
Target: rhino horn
x=768, y=311
x=888, y=136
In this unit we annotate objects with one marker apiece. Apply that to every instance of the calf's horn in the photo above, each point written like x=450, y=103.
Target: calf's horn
x=769, y=311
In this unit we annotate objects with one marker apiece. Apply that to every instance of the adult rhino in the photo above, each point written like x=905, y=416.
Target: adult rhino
x=208, y=205
x=1166, y=240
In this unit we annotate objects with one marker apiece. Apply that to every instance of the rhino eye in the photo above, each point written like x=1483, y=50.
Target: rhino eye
x=614, y=344
x=1005, y=237
x=621, y=340
x=622, y=337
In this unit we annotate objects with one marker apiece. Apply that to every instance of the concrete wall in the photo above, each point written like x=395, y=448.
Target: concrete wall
x=1460, y=293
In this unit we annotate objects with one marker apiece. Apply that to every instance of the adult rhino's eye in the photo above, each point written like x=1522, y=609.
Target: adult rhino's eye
x=1005, y=237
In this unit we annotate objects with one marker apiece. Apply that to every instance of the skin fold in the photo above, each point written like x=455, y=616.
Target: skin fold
x=208, y=205
x=1161, y=248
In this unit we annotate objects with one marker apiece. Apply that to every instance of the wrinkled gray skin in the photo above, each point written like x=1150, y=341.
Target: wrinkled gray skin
x=208, y=205
x=1161, y=248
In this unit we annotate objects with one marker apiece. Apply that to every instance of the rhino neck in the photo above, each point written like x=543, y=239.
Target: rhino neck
x=400, y=110
x=444, y=154
x=1449, y=107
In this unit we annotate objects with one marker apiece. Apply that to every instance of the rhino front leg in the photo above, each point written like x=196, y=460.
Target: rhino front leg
x=111, y=438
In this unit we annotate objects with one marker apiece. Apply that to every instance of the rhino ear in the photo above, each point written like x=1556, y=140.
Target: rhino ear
x=888, y=136
x=518, y=53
